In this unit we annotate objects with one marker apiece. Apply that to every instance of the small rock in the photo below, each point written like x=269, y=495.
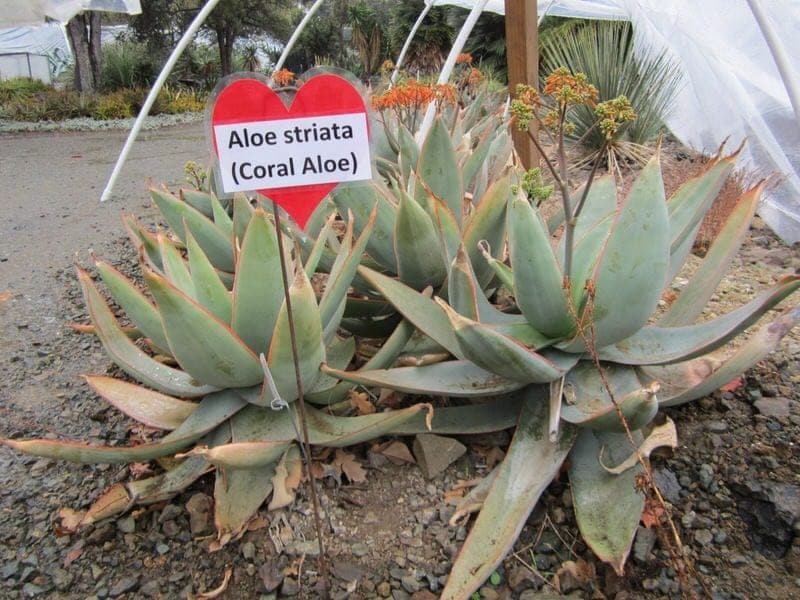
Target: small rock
x=9, y=570
x=706, y=475
x=643, y=546
x=434, y=453
x=488, y=593
x=290, y=587
x=126, y=525
x=248, y=550
x=668, y=485
x=271, y=575
x=650, y=584
x=400, y=595
x=384, y=589
x=170, y=512
x=703, y=537
x=347, y=571
x=30, y=590
x=773, y=407
x=738, y=560
x=199, y=509
x=687, y=520
x=124, y=585
x=298, y=548
x=150, y=589
x=424, y=595
x=717, y=426
x=62, y=579
x=359, y=549
x=410, y=584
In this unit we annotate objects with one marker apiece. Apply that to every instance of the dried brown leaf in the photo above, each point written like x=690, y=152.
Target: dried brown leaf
x=288, y=473
x=572, y=575
x=350, y=466
x=454, y=496
x=70, y=520
x=215, y=593
x=491, y=456
x=397, y=452
x=360, y=401
x=6, y=296
x=139, y=470
x=72, y=556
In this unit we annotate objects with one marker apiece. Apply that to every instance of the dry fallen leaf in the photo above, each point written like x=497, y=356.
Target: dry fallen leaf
x=491, y=456
x=454, y=496
x=397, y=452
x=734, y=385
x=70, y=521
x=286, y=479
x=662, y=435
x=5, y=296
x=350, y=466
x=218, y=591
x=579, y=574
x=652, y=514
x=72, y=556
x=360, y=401
x=139, y=470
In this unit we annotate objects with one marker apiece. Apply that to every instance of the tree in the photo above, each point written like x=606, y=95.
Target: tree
x=432, y=40
x=83, y=32
x=233, y=19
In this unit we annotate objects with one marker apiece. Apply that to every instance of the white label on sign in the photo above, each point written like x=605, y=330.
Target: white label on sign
x=293, y=152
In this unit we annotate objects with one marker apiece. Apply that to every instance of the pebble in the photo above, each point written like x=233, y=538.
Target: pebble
x=126, y=525
x=706, y=475
x=703, y=537
x=434, y=453
x=773, y=407
x=124, y=585
x=290, y=587
x=410, y=583
x=199, y=509
x=717, y=426
x=248, y=550
x=644, y=543
x=384, y=589
x=668, y=485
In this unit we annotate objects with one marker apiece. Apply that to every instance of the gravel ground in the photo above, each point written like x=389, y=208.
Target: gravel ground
x=733, y=482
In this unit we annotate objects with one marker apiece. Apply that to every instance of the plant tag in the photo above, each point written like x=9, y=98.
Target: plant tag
x=294, y=156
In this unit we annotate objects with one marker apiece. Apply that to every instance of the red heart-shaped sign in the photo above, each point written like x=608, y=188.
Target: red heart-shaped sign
x=324, y=97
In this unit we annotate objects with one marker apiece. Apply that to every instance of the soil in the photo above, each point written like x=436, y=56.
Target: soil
x=734, y=482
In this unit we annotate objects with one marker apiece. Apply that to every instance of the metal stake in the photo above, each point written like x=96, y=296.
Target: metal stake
x=301, y=401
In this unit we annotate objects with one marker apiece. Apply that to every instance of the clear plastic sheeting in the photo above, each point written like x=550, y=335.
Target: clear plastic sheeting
x=47, y=41
x=33, y=12
x=733, y=87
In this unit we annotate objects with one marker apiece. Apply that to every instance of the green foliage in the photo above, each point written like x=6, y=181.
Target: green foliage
x=126, y=65
x=603, y=50
x=19, y=89
x=487, y=44
x=115, y=105
x=432, y=41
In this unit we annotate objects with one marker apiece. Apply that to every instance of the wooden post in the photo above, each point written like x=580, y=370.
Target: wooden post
x=522, y=55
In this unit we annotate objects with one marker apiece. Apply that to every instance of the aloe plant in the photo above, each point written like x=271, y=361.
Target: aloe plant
x=623, y=257
x=436, y=196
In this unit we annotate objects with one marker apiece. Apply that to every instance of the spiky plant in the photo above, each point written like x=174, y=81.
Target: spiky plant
x=604, y=52
x=587, y=346
x=215, y=366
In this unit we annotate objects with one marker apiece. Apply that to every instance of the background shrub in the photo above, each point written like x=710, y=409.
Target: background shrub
x=604, y=51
